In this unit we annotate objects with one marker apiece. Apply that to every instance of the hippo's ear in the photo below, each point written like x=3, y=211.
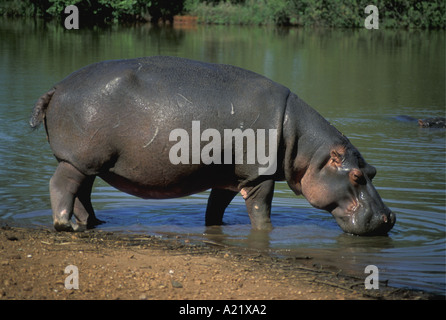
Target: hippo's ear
x=370, y=171
x=335, y=158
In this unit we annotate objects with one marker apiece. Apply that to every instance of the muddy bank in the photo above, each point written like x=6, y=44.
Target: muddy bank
x=130, y=266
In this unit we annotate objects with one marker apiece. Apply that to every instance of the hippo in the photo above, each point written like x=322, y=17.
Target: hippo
x=123, y=120
x=436, y=122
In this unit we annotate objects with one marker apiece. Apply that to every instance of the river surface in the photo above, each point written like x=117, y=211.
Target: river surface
x=360, y=80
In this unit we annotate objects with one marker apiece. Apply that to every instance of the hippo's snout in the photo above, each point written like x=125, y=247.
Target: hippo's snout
x=365, y=221
x=388, y=221
x=383, y=224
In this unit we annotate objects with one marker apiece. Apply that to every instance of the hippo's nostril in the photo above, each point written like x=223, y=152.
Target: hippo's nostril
x=384, y=218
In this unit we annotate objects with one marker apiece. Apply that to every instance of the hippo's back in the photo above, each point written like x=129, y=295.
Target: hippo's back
x=117, y=115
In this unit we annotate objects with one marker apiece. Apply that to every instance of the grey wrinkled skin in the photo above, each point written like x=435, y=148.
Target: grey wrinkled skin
x=113, y=119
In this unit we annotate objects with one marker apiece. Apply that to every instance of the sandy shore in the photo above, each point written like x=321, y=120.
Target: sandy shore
x=129, y=266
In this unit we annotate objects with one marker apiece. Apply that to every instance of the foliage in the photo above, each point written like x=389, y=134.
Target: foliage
x=15, y=8
x=96, y=10
x=239, y=12
x=326, y=13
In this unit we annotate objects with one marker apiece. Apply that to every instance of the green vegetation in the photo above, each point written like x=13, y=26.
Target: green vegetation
x=325, y=13
x=96, y=11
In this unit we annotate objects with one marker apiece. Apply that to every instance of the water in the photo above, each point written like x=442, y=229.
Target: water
x=360, y=80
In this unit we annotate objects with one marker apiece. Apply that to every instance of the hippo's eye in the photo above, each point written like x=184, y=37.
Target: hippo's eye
x=336, y=159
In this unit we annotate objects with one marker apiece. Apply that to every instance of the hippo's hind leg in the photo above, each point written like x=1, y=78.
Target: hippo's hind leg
x=218, y=201
x=83, y=209
x=65, y=185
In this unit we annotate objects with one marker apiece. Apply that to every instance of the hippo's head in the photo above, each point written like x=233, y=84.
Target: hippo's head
x=339, y=180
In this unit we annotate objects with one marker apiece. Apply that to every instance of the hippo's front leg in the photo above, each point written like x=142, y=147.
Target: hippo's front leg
x=258, y=202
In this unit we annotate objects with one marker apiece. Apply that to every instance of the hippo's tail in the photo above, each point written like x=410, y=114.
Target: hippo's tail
x=39, y=109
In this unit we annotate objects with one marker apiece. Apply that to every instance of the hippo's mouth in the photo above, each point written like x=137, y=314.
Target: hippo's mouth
x=362, y=221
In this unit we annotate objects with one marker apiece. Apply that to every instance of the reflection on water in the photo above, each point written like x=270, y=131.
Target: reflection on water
x=360, y=80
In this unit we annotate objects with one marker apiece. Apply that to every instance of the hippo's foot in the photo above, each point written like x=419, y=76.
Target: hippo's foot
x=78, y=226
x=63, y=226
x=75, y=227
x=92, y=222
x=70, y=193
